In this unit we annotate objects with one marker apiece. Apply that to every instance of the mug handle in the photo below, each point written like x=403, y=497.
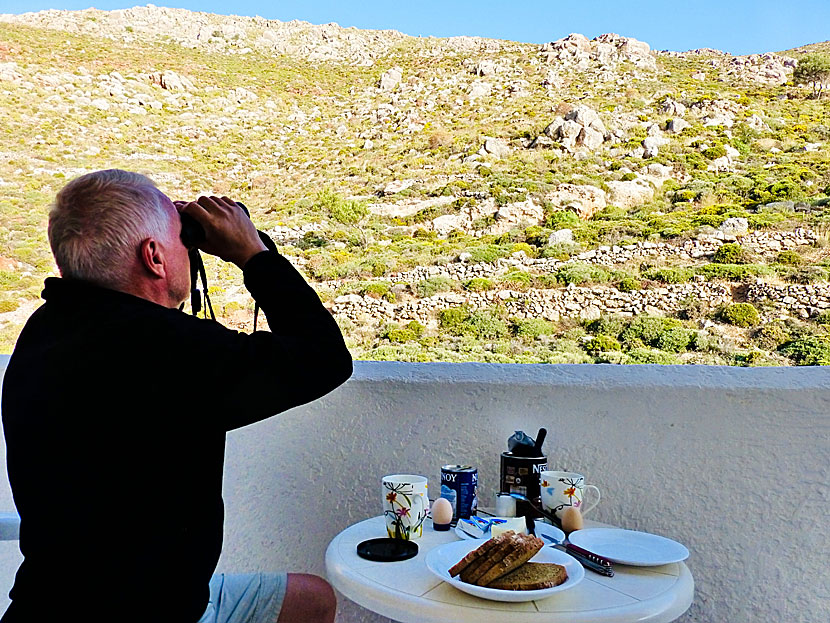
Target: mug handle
x=419, y=510
x=585, y=508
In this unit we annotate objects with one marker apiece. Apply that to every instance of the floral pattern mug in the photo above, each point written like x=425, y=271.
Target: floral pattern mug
x=405, y=505
x=563, y=489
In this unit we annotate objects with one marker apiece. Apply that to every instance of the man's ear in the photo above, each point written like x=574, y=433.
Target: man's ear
x=152, y=258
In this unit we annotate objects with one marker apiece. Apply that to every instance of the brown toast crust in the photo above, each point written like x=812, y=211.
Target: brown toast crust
x=477, y=554
x=473, y=572
x=531, y=576
x=525, y=548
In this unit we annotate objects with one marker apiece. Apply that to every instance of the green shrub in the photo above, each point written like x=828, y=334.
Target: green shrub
x=529, y=250
x=398, y=335
x=532, y=328
x=628, y=177
x=579, y=273
x=809, y=274
x=823, y=318
x=740, y=315
x=8, y=306
x=486, y=325
x=812, y=350
x=771, y=335
x=647, y=355
x=478, y=284
x=376, y=289
x=714, y=152
x=452, y=319
x=480, y=324
x=433, y=285
x=545, y=281
x=536, y=236
x=607, y=325
x=516, y=277
x=601, y=344
x=312, y=240
x=730, y=253
x=692, y=307
x=562, y=219
x=648, y=329
x=676, y=340
x=629, y=284
x=669, y=274
x=416, y=327
x=562, y=250
x=487, y=253
x=789, y=258
x=733, y=272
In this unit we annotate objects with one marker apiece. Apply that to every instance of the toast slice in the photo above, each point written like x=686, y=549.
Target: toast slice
x=476, y=555
x=472, y=573
x=526, y=548
x=531, y=576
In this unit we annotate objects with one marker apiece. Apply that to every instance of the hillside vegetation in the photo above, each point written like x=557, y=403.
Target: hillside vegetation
x=458, y=199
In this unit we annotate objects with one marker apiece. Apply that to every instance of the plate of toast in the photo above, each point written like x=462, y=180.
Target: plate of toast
x=510, y=567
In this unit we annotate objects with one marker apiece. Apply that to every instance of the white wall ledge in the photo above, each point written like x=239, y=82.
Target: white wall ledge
x=595, y=375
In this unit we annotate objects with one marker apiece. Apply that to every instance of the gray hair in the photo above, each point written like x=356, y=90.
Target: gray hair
x=98, y=220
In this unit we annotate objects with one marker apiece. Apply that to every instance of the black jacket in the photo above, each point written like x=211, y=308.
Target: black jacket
x=115, y=411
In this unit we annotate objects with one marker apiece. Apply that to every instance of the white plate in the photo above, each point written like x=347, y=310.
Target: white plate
x=541, y=529
x=629, y=547
x=440, y=559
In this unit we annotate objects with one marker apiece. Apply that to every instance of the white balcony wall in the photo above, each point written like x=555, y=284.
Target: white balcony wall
x=735, y=463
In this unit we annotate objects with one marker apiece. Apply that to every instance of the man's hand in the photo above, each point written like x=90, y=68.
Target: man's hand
x=229, y=233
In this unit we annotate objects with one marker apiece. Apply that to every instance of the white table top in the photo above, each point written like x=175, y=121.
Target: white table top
x=407, y=592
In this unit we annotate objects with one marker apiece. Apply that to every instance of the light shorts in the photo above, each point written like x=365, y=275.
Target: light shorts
x=245, y=598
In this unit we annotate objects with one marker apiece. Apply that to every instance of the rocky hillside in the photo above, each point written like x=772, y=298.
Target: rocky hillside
x=450, y=199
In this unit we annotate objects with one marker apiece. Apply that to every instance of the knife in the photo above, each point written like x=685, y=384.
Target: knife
x=585, y=562
x=588, y=559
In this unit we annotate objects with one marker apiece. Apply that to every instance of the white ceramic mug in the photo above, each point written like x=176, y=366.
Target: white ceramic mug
x=563, y=489
x=405, y=505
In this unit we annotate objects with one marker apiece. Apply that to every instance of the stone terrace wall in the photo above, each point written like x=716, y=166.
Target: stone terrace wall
x=573, y=301
x=798, y=300
x=763, y=243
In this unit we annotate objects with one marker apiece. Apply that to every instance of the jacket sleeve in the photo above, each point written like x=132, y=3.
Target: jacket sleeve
x=245, y=378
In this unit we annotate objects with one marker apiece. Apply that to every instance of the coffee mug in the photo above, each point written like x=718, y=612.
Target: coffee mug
x=563, y=489
x=405, y=505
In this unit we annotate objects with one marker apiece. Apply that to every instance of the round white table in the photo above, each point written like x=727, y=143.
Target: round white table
x=407, y=592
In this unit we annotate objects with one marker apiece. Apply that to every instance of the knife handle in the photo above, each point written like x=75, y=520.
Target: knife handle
x=587, y=563
x=586, y=554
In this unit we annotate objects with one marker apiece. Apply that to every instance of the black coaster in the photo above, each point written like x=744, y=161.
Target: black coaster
x=387, y=550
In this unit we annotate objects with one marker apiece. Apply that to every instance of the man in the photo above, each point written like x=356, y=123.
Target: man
x=116, y=404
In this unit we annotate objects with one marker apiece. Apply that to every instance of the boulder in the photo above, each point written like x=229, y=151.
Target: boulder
x=486, y=67
x=590, y=138
x=584, y=200
x=587, y=117
x=449, y=222
x=479, y=89
x=676, y=126
x=171, y=81
x=673, y=108
x=513, y=214
x=390, y=79
x=397, y=186
x=496, y=147
x=651, y=146
x=629, y=194
x=9, y=73
x=720, y=165
x=734, y=227
x=561, y=236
